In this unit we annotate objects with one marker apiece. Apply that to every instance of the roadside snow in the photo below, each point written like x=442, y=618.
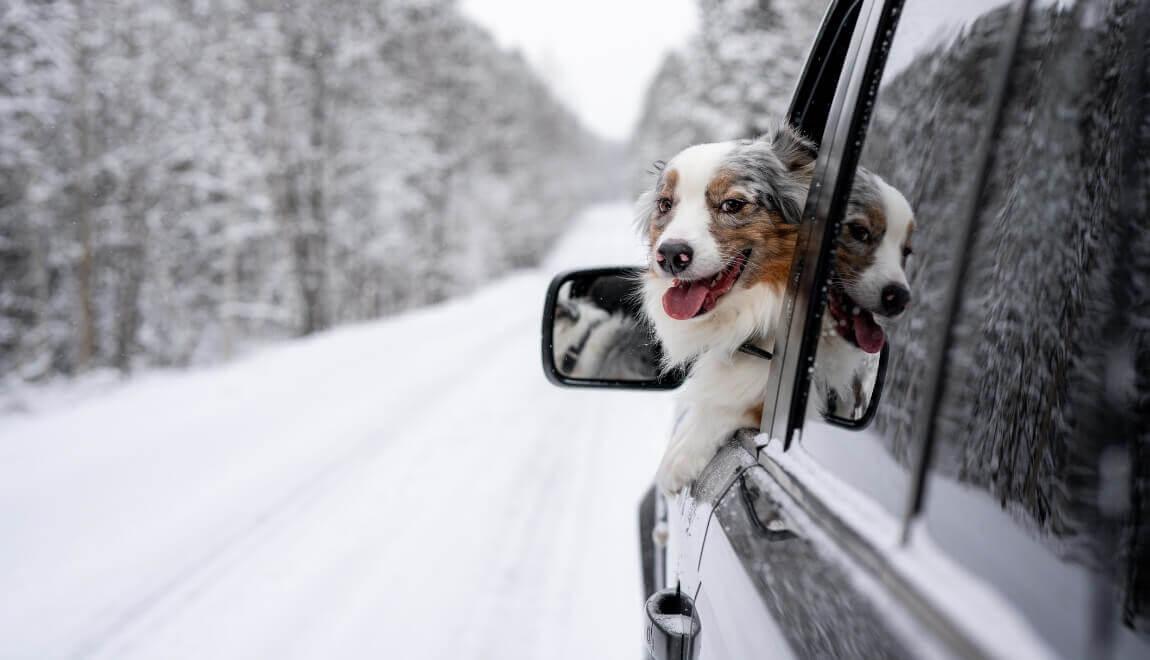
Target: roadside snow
x=410, y=488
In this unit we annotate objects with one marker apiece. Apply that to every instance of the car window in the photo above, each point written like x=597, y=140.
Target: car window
x=1040, y=474
x=921, y=147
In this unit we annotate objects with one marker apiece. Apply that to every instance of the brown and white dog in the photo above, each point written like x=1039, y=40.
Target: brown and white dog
x=868, y=288
x=721, y=224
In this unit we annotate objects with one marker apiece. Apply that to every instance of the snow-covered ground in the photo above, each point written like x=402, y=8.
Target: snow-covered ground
x=411, y=488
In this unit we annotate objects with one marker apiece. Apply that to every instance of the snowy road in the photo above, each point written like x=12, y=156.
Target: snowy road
x=410, y=488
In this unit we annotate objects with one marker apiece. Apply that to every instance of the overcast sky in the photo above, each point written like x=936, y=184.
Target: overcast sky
x=598, y=55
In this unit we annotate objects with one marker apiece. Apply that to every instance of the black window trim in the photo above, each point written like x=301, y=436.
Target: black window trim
x=830, y=46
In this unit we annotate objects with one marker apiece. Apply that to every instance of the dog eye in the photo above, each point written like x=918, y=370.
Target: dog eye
x=906, y=251
x=732, y=205
x=772, y=203
x=859, y=232
x=664, y=205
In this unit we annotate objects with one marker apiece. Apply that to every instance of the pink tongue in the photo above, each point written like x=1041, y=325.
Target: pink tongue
x=684, y=302
x=868, y=335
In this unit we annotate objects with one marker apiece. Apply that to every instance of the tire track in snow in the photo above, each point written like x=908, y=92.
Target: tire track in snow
x=539, y=485
x=168, y=597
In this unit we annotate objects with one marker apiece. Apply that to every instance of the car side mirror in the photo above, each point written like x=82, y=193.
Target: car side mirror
x=595, y=333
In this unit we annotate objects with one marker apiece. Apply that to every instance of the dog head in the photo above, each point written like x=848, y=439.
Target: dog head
x=721, y=224
x=869, y=284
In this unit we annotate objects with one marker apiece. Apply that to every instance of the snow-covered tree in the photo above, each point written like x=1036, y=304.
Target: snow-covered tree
x=731, y=80
x=178, y=178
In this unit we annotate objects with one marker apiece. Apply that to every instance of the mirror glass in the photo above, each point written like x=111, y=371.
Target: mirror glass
x=595, y=332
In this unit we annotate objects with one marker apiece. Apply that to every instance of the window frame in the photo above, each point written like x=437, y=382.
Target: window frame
x=788, y=385
x=828, y=49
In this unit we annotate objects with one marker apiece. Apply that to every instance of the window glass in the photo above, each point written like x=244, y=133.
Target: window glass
x=918, y=165
x=1041, y=468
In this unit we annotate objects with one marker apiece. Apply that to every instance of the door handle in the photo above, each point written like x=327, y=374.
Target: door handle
x=673, y=626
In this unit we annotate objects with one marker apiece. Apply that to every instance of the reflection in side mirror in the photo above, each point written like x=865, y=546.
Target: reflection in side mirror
x=595, y=335
x=849, y=398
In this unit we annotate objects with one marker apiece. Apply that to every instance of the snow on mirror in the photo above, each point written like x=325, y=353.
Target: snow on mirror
x=595, y=335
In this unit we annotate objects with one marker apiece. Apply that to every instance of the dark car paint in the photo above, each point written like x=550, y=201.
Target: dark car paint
x=819, y=611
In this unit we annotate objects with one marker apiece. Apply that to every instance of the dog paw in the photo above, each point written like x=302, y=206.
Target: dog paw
x=680, y=466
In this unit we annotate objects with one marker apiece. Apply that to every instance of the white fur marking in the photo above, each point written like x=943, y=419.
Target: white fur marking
x=696, y=166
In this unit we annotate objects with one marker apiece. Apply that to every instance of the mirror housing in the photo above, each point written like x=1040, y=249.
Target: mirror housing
x=604, y=340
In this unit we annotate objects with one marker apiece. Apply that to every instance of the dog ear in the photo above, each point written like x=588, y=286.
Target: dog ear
x=566, y=309
x=644, y=210
x=797, y=156
x=795, y=151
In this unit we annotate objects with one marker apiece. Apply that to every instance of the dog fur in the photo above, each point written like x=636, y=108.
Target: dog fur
x=687, y=207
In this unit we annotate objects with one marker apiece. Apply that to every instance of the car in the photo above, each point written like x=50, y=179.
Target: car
x=992, y=500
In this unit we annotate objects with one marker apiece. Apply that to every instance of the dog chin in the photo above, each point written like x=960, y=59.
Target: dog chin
x=738, y=315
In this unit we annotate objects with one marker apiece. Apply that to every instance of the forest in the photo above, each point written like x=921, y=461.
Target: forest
x=729, y=82
x=179, y=180
x=182, y=180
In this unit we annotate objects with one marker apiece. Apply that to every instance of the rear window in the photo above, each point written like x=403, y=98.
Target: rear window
x=1041, y=472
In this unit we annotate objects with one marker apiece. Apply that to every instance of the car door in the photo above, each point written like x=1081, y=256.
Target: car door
x=1017, y=131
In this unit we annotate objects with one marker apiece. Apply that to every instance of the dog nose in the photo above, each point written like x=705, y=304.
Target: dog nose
x=895, y=298
x=674, y=256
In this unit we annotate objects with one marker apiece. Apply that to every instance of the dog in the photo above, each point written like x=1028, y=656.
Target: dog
x=868, y=288
x=721, y=224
